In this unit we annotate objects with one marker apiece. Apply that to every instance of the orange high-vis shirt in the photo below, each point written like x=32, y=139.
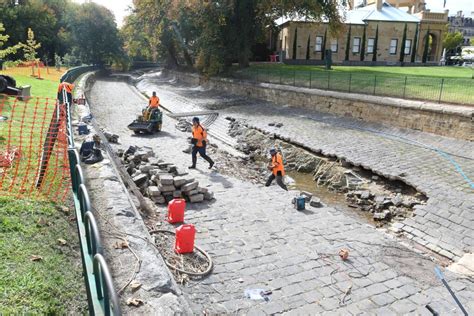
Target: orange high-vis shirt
x=154, y=102
x=277, y=164
x=200, y=134
x=65, y=85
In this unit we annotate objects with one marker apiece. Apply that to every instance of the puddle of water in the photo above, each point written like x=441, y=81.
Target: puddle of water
x=305, y=182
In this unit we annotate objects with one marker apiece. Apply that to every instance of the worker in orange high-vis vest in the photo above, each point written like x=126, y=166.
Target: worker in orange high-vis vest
x=67, y=87
x=277, y=169
x=153, y=103
x=199, y=142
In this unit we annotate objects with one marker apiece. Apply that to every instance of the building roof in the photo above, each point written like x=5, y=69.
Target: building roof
x=370, y=13
x=364, y=14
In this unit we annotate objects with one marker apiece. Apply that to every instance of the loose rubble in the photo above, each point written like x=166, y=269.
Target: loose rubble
x=161, y=181
x=386, y=200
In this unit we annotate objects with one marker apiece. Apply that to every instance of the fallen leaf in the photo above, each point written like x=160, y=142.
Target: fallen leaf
x=135, y=285
x=134, y=301
x=36, y=258
x=62, y=242
x=121, y=245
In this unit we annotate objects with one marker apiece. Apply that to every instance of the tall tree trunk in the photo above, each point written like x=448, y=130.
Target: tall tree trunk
x=425, y=49
x=295, y=43
x=323, y=47
x=402, y=46
x=415, y=43
x=348, y=43
x=307, y=47
x=374, y=54
x=362, y=47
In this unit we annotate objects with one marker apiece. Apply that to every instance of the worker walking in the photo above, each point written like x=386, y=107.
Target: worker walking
x=65, y=90
x=277, y=169
x=199, y=142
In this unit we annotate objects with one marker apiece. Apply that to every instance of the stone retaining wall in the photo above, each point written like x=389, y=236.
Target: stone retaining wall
x=443, y=119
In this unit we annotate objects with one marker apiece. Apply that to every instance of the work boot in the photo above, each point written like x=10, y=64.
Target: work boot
x=211, y=164
x=95, y=157
x=192, y=167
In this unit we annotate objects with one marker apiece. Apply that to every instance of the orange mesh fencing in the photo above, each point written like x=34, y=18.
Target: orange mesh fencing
x=33, y=149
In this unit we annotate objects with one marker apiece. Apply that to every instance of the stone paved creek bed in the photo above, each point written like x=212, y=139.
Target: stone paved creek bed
x=258, y=240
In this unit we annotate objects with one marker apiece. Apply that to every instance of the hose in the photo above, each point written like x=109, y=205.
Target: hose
x=205, y=254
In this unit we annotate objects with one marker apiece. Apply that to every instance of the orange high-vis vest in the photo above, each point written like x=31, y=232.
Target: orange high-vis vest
x=154, y=102
x=200, y=134
x=65, y=85
x=277, y=164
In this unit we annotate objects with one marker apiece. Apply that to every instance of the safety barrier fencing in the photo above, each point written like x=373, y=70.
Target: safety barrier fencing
x=441, y=90
x=102, y=297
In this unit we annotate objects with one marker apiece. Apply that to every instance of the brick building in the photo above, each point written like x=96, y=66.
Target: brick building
x=360, y=33
x=465, y=25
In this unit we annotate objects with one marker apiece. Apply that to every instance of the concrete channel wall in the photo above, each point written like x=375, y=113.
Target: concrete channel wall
x=443, y=119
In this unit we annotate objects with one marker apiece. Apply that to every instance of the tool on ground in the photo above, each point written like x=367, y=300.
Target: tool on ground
x=299, y=203
x=176, y=209
x=344, y=254
x=148, y=122
x=441, y=277
x=185, y=235
x=432, y=311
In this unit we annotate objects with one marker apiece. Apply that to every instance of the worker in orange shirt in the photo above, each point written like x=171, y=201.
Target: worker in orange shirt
x=277, y=169
x=199, y=142
x=153, y=103
x=65, y=88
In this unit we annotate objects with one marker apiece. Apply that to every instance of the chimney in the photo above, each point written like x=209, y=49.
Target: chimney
x=379, y=5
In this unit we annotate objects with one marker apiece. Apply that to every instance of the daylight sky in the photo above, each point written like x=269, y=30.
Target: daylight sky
x=120, y=7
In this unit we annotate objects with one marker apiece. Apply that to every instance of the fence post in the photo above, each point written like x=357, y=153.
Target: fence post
x=441, y=90
x=294, y=78
x=350, y=81
x=405, y=87
x=310, y=79
x=375, y=83
x=329, y=79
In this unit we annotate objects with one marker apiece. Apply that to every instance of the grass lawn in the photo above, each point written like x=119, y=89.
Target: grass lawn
x=51, y=285
x=30, y=227
x=447, y=84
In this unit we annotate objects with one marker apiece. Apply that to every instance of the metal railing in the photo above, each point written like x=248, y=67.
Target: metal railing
x=101, y=295
x=441, y=90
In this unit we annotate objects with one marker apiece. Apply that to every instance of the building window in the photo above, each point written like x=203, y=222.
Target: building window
x=319, y=44
x=334, y=45
x=407, y=47
x=356, y=45
x=370, y=45
x=393, y=46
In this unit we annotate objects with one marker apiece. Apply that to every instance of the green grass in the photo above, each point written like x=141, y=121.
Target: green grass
x=445, y=84
x=53, y=285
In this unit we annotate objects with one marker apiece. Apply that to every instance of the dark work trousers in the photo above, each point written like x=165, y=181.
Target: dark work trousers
x=68, y=96
x=279, y=179
x=202, y=152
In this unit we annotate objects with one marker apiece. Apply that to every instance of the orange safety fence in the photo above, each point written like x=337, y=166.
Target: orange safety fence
x=33, y=149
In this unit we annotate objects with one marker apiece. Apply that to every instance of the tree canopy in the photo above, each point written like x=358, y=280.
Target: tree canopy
x=452, y=40
x=87, y=31
x=211, y=34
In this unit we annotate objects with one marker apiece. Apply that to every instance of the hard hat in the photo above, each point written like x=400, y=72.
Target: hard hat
x=273, y=151
x=196, y=119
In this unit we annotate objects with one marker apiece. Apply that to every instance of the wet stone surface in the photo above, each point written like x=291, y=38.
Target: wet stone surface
x=258, y=240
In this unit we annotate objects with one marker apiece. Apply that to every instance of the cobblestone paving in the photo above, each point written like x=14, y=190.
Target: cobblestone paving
x=444, y=225
x=257, y=240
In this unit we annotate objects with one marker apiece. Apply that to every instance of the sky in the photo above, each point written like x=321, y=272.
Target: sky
x=120, y=8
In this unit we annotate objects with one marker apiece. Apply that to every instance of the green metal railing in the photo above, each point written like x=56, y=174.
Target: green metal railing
x=101, y=295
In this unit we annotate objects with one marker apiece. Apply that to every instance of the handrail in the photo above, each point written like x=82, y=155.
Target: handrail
x=101, y=295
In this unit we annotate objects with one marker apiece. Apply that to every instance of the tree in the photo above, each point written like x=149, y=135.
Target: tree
x=323, y=46
x=348, y=43
x=426, y=47
x=402, y=46
x=362, y=48
x=94, y=34
x=3, y=39
x=374, y=54
x=452, y=40
x=415, y=44
x=29, y=49
x=295, y=46
x=308, y=47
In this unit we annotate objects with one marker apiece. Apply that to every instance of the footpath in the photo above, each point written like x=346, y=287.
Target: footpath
x=259, y=241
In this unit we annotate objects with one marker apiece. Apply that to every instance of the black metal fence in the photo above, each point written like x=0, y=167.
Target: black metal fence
x=442, y=90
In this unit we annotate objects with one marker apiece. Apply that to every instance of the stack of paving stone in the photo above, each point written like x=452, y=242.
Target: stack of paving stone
x=159, y=180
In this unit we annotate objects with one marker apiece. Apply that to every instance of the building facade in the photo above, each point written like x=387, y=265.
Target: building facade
x=465, y=25
x=373, y=33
